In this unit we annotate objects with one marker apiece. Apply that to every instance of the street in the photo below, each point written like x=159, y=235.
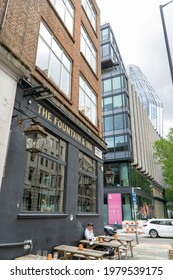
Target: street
x=149, y=248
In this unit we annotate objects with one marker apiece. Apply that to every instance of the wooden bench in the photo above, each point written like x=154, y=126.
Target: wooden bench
x=72, y=251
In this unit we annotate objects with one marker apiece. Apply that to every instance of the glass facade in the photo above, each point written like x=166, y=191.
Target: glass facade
x=151, y=102
x=118, y=135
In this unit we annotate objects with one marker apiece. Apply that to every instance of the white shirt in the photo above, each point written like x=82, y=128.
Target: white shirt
x=89, y=234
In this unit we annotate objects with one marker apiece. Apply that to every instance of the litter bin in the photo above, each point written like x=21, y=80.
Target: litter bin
x=116, y=225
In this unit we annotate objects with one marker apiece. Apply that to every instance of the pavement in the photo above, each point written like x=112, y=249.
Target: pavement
x=147, y=248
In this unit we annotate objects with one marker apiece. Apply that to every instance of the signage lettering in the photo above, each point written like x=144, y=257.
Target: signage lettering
x=63, y=126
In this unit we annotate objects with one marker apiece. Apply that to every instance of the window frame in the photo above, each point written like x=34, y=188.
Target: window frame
x=88, y=49
x=92, y=16
x=65, y=16
x=45, y=165
x=87, y=95
x=57, y=52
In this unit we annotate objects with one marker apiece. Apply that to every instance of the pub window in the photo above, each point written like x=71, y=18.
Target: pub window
x=86, y=184
x=44, y=184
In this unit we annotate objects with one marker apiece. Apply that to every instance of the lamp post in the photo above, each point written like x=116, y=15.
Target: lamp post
x=134, y=209
x=166, y=38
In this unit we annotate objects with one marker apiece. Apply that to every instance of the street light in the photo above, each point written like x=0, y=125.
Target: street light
x=36, y=136
x=134, y=209
x=110, y=175
x=166, y=39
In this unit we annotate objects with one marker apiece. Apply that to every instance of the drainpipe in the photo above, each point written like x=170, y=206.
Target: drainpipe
x=5, y=14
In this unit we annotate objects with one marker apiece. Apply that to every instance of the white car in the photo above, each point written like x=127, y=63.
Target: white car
x=158, y=227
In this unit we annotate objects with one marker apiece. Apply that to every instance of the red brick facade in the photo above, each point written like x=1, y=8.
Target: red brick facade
x=19, y=35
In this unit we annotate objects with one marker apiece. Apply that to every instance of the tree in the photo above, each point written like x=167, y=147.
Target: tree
x=163, y=152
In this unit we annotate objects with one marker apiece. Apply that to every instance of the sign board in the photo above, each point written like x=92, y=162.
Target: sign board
x=114, y=208
x=98, y=153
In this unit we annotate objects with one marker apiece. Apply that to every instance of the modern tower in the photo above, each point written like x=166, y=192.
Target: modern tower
x=129, y=134
x=150, y=100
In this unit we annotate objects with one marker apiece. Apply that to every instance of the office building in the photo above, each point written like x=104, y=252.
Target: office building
x=129, y=165
x=150, y=100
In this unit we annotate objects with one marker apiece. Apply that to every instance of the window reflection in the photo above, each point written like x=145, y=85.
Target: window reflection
x=44, y=179
x=86, y=184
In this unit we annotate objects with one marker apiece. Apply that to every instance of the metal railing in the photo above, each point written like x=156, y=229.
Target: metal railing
x=27, y=245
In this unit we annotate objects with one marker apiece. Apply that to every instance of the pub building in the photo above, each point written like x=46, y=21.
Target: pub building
x=51, y=168
x=53, y=184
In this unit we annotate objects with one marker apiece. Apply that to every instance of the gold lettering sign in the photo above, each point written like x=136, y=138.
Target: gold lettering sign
x=63, y=126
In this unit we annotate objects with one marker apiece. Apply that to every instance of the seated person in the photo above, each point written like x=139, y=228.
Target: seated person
x=89, y=233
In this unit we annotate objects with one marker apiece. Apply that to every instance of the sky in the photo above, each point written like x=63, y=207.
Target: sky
x=138, y=31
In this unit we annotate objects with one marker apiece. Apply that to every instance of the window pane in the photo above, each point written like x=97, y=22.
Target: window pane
x=118, y=101
x=107, y=85
x=87, y=101
x=110, y=142
x=88, y=49
x=65, y=82
x=56, y=48
x=52, y=59
x=104, y=34
x=45, y=34
x=45, y=178
x=108, y=123
x=66, y=11
x=116, y=83
x=107, y=104
x=87, y=184
x=121, y=143
x=42, y=56
x=105, y=50
x=118, y=122
x=69, y=23
x=54, y=72
x=66, y=62
x=87, y=5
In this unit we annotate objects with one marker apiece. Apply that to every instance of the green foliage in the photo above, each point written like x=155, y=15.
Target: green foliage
x=163, y=152
x=169, y=194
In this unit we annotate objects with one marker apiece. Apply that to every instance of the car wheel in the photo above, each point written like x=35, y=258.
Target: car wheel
x=153, y=233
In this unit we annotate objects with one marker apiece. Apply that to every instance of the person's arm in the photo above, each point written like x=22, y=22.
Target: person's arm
x=87, y=234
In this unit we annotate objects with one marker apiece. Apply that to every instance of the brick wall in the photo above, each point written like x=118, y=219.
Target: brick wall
x=20, y=36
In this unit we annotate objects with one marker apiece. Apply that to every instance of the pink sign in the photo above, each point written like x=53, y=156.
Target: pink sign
x=114, y=208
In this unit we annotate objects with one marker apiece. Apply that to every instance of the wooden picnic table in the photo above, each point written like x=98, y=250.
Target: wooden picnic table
x=71, y=251
x=124, y=241
x=94, y=244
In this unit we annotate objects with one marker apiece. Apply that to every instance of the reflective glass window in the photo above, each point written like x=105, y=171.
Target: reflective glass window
x=86, y=184
x=44, y=182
